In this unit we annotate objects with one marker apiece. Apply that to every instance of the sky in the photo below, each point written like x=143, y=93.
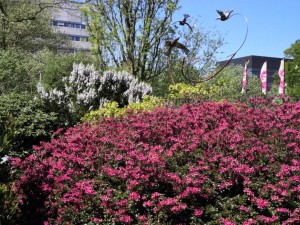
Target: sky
x=273, y=25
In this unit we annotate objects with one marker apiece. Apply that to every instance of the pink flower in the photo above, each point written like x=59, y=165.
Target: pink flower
x=283, y=193
x=148, y=204
x=261, y=203
x=168, y=201
x=134, y=196
x=125, y=219
x=250, y=222
x=244, y=208
x=266, y=219
x=96, y=220
x=249, y=192
x=142, y=217
x=225, y=184
x=178, y=208
x=276, y=198
x=198, y=212
x=283, y=210
x=227, y=221
x=155, y=195
x=122, y=202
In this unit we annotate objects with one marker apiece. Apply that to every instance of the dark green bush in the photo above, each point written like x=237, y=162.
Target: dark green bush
x=9, y=210
x=13, y=75
x=25, y=121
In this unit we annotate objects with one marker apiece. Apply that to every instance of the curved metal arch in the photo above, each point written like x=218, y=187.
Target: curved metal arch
x=208, y=78
x=228, y=61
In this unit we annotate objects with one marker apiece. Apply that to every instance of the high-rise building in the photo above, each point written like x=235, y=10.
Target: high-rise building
x=68, y=19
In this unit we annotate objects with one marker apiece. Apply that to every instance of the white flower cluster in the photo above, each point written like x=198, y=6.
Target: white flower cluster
x=85, y=89
x=122, y=87
x=82, y=83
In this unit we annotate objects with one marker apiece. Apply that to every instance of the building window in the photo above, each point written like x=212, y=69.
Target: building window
x=68, y=24
x=79, y=38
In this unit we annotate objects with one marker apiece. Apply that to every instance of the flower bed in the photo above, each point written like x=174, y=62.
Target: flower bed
x=207, y=163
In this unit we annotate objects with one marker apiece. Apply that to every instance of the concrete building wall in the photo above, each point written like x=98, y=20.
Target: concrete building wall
x=69, y=20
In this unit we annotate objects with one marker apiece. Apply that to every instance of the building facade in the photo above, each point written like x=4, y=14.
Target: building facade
x=255, y=64
x=68, y=19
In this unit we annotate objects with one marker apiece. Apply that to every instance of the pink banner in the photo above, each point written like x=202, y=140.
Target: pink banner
x=263, y=78
x=281, y=76
x=244, y=81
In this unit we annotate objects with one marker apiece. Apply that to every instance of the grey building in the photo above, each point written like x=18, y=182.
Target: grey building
x=68, y=19
x=255, y=64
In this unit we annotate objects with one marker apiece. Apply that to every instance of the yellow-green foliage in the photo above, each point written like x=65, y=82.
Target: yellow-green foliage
x=181, y=90
x=111, y=109
x=149, y=103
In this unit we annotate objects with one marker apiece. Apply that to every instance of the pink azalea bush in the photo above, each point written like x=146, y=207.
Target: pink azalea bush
x=206, y=163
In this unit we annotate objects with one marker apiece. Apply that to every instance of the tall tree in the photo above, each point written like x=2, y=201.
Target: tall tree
x=24, y=24
x=130, y=34
x=292, y=70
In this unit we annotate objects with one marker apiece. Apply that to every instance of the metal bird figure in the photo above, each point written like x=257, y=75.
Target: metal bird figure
x=175, y=43
x=183, y=22
x=224, y=16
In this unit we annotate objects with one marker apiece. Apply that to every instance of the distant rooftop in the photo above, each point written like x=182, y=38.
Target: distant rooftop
x=255, y=64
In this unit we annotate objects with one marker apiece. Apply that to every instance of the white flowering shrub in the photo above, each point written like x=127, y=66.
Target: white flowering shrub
x=121, y=87
x=85, y=89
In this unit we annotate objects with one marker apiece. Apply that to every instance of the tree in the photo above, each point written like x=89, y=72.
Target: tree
x=53, y=67
x=21, y=71
x=130, y=34
x=24, y=25
x=228, y=85
x=13, y=75
x=292, y=70
x=200, y=62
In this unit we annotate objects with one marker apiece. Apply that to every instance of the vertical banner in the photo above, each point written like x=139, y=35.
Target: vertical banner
x=244, y=81
x=263, y=78
x=281, y=77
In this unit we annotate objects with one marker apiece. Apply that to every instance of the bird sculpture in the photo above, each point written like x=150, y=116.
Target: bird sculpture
x=183, y=22
x=224, y=15
x=175, y=43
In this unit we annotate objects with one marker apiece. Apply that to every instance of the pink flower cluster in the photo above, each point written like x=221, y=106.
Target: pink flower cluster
x=208, y=162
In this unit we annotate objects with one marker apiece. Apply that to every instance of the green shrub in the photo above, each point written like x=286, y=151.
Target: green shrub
x=86, y=89
x=225, y=86
x=228, y=85
x=10, y=212
x=13, y=74
x=111, y=109
x=183, y=93
x=25, y=121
